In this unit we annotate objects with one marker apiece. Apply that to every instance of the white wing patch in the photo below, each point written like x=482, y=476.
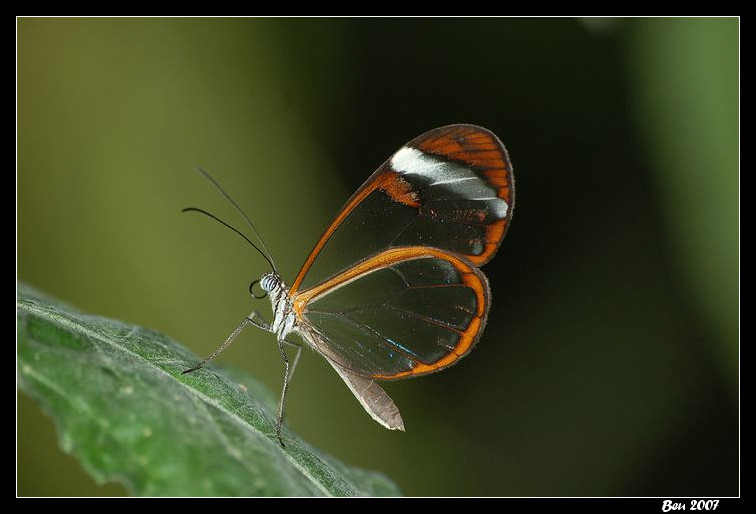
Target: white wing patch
x=453, y=176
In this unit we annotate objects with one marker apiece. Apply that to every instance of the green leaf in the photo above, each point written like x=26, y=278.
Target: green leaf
x=122, y=407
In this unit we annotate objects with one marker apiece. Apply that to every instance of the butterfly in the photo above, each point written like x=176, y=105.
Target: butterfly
x=392, y=289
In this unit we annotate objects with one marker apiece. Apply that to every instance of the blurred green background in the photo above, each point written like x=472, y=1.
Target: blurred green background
x=610, y=362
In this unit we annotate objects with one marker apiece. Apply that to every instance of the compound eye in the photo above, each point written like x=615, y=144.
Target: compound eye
x=269, y=282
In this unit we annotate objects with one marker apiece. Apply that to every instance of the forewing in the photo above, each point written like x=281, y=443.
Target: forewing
x=451, y=188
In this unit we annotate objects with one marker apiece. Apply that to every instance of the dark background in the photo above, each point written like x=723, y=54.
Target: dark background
x=610, y=362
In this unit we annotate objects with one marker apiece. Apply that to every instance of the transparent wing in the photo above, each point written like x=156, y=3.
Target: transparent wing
x=451, y=188
x=400, y=313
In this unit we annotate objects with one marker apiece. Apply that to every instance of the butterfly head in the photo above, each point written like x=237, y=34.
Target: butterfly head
x=269, y=282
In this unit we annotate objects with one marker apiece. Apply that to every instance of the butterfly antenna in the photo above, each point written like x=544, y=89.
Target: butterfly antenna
x=202, y=211
x=251, y=225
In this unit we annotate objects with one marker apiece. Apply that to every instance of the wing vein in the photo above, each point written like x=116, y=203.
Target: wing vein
x=426, y=319
x=393, y=344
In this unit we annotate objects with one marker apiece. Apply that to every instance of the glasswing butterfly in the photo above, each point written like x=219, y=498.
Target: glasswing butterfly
x=392, y=288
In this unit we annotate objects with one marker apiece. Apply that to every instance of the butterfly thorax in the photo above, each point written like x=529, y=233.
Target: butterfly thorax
x=284, y=317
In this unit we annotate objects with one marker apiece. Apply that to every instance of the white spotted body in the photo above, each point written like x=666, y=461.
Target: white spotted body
x=284, y=317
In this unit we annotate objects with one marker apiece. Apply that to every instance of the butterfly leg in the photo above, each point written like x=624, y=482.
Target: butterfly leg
x=255, y=319
x=230, y=339
x=298, y=349
x=288, y=374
